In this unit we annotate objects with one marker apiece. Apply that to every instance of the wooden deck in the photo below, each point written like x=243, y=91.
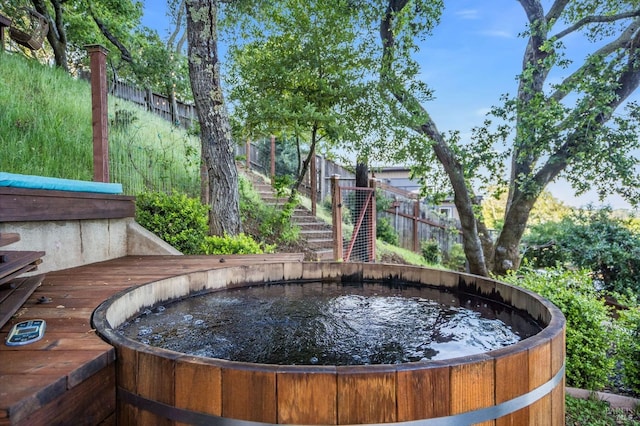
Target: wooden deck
x=68, y=377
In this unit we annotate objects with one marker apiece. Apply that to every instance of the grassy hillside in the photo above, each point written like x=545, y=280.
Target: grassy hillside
x=45, y=129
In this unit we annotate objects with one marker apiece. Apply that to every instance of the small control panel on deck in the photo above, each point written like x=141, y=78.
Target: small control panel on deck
x=26, y=332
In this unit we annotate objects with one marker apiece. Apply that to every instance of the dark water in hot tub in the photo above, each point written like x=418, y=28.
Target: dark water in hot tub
x=331, y=324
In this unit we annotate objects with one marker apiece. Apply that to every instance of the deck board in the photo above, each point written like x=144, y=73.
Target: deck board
x=35, y=378
x=15, y=293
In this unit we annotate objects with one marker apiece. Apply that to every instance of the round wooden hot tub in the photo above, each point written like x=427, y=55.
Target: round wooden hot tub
x=521, y=384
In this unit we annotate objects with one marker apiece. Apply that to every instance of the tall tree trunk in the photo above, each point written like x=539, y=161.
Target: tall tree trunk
x=217, y=144
x=463, y=198
x=302, y=171
x=57, y=35
x=506, y=255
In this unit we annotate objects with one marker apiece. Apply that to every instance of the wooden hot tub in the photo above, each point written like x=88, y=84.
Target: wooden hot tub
x=522, y=384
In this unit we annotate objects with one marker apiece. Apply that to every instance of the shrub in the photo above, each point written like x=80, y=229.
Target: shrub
x=177, y=219
x=273, y=224
x=589, y=334
x=386, y=232
x=430, y=251
x=455, y=259
x=277, y=224
x=239, y=244
x=590, y=239
x=629, y=347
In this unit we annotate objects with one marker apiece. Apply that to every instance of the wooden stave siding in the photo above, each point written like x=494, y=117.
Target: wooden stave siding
x=350, y=395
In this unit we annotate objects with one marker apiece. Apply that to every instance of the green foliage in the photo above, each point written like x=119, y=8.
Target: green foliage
x=590, y=239
x=455, y=258
x=274, y=223
x=386, y=232
x=595, y=412
x=45, y=127
x=239, y=244
x=300, y=66
x=542, y=244
x=589, y=334
x=277, y=224
x=177, y=219
x=46, y=130
x=629, y=347
x=148, y=158
x=546, y=209
x=431, y=251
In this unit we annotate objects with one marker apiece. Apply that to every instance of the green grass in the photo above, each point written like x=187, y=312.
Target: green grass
x=45, y=121
x=45, y=130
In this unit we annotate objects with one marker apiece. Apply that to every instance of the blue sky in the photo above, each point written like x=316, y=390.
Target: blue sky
x=472, y=59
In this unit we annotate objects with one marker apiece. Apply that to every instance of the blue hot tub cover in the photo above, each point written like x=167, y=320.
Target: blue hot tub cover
x=58, y=184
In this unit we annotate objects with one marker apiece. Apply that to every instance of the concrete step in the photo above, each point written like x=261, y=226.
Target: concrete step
x=310, y=225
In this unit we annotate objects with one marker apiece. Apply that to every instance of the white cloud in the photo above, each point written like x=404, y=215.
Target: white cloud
x=497, y=33
x=468, y=14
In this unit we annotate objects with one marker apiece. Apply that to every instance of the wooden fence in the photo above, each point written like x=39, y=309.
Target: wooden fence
x=413, y=220
x=179, y=113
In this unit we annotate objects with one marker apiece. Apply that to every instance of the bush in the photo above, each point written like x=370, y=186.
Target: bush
x=177, y=219
x=629, y=347
x=273, y=224
x=277, y=224
x=590, y=239
x=386, y=232
x=431, y=251
x=455, y=259
x=589, y=334
x=239, y=244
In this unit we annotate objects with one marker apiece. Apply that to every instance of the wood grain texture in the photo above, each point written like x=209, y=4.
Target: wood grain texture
x=198, y=386
x=366, y=397
x=249, y=395
x=424, y=393
x=473, y=386
x=512, y=381
x=540, y=373
x=307, y=398
x=26, y=205
x=70, y=352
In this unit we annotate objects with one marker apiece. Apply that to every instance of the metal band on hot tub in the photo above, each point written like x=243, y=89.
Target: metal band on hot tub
x=468, y=418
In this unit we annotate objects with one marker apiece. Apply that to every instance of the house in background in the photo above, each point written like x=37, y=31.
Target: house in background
x=398, y=177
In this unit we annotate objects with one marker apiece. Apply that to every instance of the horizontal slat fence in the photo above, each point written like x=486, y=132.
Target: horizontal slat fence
x=181, y=113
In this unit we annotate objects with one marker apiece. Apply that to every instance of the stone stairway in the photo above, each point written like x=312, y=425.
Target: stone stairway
x=317, y=234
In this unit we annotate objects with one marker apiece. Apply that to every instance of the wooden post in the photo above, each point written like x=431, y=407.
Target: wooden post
x=150, y=104
x=336, y=215
x=98, y=60
x=416, y=216
x=4, y=23
x=273, y=157
x=372, y=230
x=247, y=153
x=314, y=182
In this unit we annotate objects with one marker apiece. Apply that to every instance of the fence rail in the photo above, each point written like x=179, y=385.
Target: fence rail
x=413, y=220
x=177, y=112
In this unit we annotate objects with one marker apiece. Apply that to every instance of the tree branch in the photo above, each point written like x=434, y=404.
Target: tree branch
x=627, y=83
x=124, y=52
x=623, y=41
x=596, y=19
x=556, y=10
x=180, y=11
x=453, y=168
